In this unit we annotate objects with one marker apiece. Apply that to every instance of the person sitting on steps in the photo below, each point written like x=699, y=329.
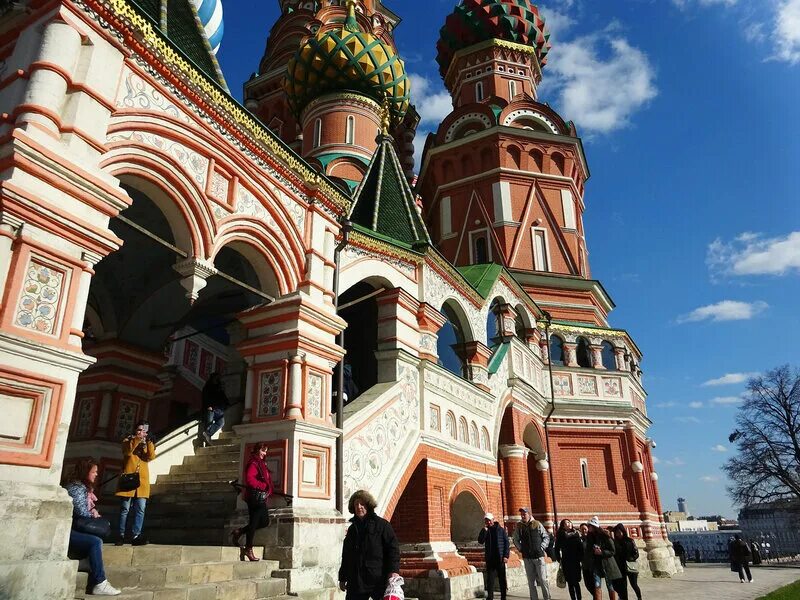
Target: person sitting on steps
x=215, y=401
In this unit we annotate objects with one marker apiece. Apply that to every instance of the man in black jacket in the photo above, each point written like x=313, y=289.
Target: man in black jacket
x=370, y=553
x=496, y=550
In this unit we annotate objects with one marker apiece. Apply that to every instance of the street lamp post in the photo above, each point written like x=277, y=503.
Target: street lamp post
x=547, y=321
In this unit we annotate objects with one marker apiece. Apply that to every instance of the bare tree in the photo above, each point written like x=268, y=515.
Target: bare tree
x=767, y=467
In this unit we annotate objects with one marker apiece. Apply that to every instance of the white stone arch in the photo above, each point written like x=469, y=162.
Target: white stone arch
x=467, y=325
x=528, y=113
x=475, y=117
x=175, y=194
x=272, y=279
x=356, y=269
x=267, y=254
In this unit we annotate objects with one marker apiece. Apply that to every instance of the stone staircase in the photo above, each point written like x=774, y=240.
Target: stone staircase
x=157, y=572
x=193, y=503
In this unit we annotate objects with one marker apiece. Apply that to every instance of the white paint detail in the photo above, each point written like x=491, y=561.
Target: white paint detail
x=568, y=204
x=446, y=216
x=501, y=193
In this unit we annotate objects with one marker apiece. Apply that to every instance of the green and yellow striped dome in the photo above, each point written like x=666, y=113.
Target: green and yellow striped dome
x=347, y=59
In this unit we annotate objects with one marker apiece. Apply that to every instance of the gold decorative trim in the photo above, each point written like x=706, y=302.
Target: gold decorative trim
x=591, y=331
x=385, y=248
x=221, y=101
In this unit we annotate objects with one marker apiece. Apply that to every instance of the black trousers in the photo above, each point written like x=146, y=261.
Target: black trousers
x=621, y=587
x=633, y=578
x=258, y=520
x=744, y=569
x=498, y=569
x=376, y=594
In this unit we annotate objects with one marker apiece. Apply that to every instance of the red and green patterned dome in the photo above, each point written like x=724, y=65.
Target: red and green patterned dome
x=476, y=21
x=347, y=59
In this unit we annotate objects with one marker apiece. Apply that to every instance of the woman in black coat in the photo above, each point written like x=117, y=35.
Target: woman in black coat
x=626, y=554
x=569, y=552
x=370, y=553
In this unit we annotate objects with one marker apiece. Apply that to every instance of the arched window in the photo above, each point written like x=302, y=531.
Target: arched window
x=350, y=132
x=584, y=353
x=558, y=163
x=317, y=141
x=486, y=444
x=481, y=251
x=520, y=329
x=450, y=425
x=450, y=343
x=512, y=89
x=479, y=91
x=556, y=350
x=463, y=431
x=516, y=156
x=493, y=323
x=609, y=356
x=538, y=159
x=473, y=435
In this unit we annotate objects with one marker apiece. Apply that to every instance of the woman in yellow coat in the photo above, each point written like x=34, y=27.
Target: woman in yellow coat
x=137, y=450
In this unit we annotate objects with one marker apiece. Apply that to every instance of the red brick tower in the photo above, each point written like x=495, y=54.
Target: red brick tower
x=503, y=177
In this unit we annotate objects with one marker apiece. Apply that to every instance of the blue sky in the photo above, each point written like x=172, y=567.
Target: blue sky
x=690, y=115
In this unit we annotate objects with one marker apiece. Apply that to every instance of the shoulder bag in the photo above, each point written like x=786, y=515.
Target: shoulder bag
x=93, y=526
x=130, y=481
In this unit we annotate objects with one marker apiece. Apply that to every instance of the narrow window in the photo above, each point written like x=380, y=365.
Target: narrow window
x=446, y=216
x=479, y=91
x=568, y=205
x=317, y=134
x=349, y=136
x=540, y=255
x=585, y=472
x=512, y=89
x=480, y=249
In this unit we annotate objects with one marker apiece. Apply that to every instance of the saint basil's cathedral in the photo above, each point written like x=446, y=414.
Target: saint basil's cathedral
x=154, y=231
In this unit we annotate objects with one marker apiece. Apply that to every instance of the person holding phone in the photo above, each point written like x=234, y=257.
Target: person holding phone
x=138, y=449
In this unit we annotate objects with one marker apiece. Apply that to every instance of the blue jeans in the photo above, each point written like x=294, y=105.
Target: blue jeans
x=215, y=419
x=138, y=515
x=91, y=547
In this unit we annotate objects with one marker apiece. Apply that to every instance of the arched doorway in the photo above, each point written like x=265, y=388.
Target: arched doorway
x=466, y=519
x=158, y=327
x=537, y=472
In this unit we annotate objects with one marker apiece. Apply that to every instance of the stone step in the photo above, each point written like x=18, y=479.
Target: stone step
x=222, y=459
x=189, y=535
x=190, y=475
x=181, y=487
x=217, y=448
x=168, y=554
x=263, y=589
x=229, y=436
x=159, y=577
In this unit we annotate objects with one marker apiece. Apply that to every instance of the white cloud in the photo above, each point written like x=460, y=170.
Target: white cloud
x=557, y=21
x=669, y=404
x=656, y=460
x=752, y=254
x=694, y=420
x=433, y=103
x=695, y=405
x=726, y=400
x=719, y=448
x=787, y=31
x=730, y=379
x=600, y=80
x=675, y=462
x=727, y=310
x=710, y=478
x=684, y=4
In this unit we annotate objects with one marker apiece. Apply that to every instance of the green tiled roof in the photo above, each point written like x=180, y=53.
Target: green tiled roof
x=481, y=277
x=384, y=202
x=178, y=22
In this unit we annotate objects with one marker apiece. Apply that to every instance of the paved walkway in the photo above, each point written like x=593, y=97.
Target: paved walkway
x=703, y=582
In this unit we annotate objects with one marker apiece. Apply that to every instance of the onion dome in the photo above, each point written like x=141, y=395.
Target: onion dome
x=347, y=59
x=476, y=21
x=210, y=13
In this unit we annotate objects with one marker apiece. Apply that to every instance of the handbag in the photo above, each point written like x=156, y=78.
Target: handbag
x=93, y=526
x=561, y=581
x=632, y=566
x=130, y=481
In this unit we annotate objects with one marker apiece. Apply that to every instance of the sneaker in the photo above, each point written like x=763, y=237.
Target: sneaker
x=741, y=581
x=105, y=589
x=139, y=540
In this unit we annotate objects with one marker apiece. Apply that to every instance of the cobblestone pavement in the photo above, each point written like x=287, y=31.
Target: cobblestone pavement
x=700, y=582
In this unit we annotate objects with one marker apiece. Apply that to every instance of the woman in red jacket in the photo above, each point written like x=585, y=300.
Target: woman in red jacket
x=258, y=488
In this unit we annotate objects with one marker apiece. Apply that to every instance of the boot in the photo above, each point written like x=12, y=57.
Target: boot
x=248, y=552
x=235, y=535
x=598, y=593
x=612, y=595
